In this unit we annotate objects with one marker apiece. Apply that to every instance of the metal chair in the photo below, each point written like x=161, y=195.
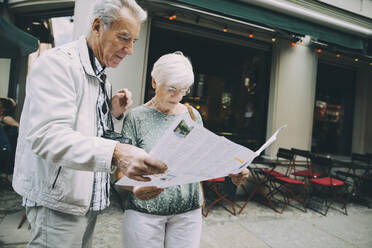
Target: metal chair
x=288, y=187
x=358, y=174
x=213, y=189
x=308, y=171
x=261, y=182
x=328, y=187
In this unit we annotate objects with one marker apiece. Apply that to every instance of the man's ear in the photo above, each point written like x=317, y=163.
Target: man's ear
x=97, y=25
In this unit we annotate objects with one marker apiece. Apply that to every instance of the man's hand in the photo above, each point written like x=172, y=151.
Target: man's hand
x=238, y=179
x=135, y=163
x=146, y=192
x=120, y=102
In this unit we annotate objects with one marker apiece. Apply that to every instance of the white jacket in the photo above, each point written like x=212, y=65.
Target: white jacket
x=57, y=148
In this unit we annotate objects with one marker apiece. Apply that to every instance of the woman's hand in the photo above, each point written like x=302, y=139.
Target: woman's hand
x=8, y=120
x=146, y=192
x=238, y=179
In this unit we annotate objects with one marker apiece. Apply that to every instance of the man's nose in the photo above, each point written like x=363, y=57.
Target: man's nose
x=128, y=48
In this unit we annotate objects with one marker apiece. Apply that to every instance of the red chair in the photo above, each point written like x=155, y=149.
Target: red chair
x=308, y=171
x=214, y=187
x=328, y=187
x=261, y=183
x=281, y=183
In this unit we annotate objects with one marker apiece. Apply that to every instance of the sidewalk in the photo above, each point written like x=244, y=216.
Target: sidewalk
x=257, y=227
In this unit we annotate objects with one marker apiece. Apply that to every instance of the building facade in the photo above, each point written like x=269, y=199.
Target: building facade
x=259, y=64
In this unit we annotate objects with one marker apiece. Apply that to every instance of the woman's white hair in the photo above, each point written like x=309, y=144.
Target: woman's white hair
x=108, y=11
x=174, y=69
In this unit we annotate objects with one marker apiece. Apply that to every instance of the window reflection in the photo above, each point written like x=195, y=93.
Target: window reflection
x=231, y=84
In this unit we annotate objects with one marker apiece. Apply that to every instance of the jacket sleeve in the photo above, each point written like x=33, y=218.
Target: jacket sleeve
x=52, y=112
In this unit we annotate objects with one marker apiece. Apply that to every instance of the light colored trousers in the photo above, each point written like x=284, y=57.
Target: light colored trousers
x=142, y=230
x=50, y=228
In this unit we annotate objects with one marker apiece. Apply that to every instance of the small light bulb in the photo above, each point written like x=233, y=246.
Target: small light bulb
x=338, y=55
x=319, y=50
x=293, y=43
x=273, y=39
x=356, y=59
x=250, y=35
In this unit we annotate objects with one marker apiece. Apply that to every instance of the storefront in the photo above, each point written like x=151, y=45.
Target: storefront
x=256, y=69
x=251, y=87
x=231, y=79
x=334, y=109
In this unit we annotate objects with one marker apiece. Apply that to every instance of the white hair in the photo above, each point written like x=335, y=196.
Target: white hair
x=174, y=69
x=108, y=11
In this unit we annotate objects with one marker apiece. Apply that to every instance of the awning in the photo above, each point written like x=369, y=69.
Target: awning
x=280, y=21
x=14, y=41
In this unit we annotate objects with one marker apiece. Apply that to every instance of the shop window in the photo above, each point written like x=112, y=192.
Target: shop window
x=231, y=83
x=334, y=110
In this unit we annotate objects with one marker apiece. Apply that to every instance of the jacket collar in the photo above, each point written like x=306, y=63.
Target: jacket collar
x=84, y=56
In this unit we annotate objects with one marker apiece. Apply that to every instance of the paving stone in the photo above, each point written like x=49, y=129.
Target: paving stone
x=258, y=227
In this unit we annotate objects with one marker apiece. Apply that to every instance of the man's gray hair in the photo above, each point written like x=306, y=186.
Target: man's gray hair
x=108, y=11
x=173, y=69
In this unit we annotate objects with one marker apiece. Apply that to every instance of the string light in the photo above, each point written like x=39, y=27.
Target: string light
x=273, y=39
x=250, y=35
x=319, y=50
x=338, y=55
x=225, y=29
x=356, y=59
x=293, y=43
x=370, y=64
x=172, y=17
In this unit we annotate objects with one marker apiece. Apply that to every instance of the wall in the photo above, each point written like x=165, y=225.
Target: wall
x=361, y=7
x=4, y=76
x=292, y=96
x=362, y=131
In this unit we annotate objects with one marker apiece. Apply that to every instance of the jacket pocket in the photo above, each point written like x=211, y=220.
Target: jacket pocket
x=56, y=177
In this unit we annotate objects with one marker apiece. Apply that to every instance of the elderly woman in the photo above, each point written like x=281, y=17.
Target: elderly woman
x=169, y=217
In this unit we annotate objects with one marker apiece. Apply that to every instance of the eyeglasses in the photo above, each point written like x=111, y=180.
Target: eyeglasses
x=173, y=91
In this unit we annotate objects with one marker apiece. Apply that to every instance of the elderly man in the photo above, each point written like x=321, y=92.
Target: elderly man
x=62, y=159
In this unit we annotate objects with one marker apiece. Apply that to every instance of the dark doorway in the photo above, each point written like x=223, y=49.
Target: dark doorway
x=231, y=83
x=334, y=110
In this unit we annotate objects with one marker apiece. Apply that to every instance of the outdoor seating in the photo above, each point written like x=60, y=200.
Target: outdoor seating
x=276, y=186
x=284, y=185
x=358, y=173
x=260, y=182
x=327, y=190
x=308, y=171
x=212, y=190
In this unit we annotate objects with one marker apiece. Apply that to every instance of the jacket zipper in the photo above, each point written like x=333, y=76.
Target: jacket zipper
x=55, y=180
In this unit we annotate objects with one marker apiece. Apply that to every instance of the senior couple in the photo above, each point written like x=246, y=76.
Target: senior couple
x=63, y=162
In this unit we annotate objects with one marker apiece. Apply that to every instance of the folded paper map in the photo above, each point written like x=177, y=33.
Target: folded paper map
x=193, y=154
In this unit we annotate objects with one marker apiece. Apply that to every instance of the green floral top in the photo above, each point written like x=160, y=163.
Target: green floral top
x=144, y=126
